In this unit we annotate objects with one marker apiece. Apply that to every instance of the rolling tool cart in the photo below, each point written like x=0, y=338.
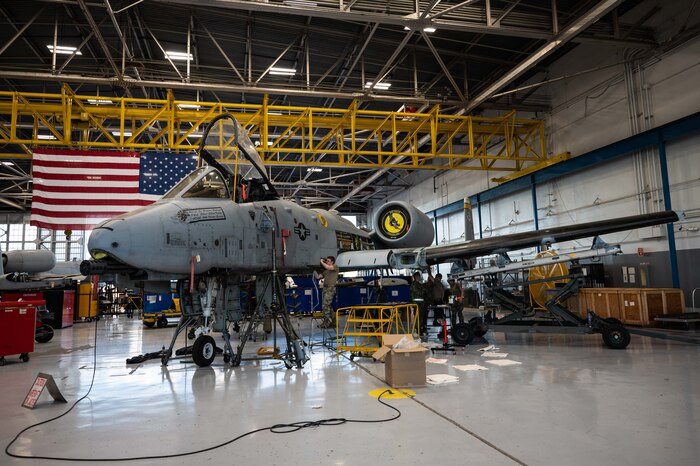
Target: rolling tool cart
x=17, y=328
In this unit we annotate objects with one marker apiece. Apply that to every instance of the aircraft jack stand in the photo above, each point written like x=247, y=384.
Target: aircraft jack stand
x=446, y=345
x=326, y=336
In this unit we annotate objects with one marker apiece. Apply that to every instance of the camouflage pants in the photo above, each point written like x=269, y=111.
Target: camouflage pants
x=328, y=311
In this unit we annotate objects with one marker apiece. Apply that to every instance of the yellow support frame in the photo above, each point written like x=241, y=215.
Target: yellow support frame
x=365, y=325
x=288, y=135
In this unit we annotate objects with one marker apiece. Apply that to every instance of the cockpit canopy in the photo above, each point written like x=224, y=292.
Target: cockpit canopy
x=203, y=183
x=234, y=168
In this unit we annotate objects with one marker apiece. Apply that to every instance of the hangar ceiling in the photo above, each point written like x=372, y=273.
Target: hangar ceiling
x=468, y=57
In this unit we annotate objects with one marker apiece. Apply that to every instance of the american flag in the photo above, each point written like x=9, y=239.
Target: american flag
x=76, y=190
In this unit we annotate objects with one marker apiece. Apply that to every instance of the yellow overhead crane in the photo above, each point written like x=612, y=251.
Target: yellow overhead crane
x=287, y=135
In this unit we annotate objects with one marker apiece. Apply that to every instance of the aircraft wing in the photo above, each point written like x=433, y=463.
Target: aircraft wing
x=34, y=270
x=422, y=257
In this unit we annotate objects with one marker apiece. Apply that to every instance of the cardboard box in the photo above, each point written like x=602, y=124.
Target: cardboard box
x=404, y=367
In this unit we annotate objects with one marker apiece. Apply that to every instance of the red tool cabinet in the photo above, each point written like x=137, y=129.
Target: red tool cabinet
x=17, y=327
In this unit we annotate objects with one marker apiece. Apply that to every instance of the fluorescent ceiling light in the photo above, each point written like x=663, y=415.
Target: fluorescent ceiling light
x=46, y=137
x=429, y=29
x=314, y=169
x=64, y=49
x=283, y=71
x=188, y=106
x=7, y=163
x=194, y=135
x=117, y=133
x=178, y=56
x=381, y=86
x=99, y=102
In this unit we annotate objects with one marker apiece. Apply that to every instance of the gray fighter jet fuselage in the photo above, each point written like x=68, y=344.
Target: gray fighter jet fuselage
x=175, y=237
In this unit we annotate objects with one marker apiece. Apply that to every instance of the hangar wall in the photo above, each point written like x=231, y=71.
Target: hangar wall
x=591, y=111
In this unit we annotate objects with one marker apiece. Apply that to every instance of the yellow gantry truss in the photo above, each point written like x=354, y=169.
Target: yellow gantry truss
x=291, y=136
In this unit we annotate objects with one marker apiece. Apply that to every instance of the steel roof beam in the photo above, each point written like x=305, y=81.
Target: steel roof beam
x=397, y=19
x=20, y=31
x=445, y=70
x=568, y=33
x=385, y=69
x=100, y=38
x=25, y=39
x=279, y=57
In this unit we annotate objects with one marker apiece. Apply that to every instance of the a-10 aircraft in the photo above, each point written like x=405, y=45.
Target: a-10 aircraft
x=224, y=223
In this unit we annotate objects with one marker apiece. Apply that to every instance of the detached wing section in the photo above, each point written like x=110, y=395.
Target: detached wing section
x=515, y=241
x=422, y=257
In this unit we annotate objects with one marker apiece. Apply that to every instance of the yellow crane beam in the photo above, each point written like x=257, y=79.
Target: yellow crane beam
x=285, y=135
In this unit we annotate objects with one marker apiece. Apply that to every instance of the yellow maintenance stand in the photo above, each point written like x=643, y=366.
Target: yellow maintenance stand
x=365, y=325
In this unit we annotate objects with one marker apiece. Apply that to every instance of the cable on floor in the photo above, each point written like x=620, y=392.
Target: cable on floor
x=275, y=429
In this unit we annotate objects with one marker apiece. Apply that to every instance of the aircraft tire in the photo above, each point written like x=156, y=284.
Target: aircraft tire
x=43, y=334
x=162, y=322
x=462, y=334
x=203, y=350
x=616, y=336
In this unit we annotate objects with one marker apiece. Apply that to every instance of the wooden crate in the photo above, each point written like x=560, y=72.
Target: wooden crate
x=631, y=302
x=603, y=301
x=660, y=301
x=633, y=306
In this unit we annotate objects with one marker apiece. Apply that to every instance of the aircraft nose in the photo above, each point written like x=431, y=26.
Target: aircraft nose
x=112, y=237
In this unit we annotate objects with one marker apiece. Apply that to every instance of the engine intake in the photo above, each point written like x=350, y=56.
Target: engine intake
x=400, y=225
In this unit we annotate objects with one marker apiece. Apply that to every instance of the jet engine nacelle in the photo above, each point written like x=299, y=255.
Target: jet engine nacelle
x=37, y=261
x=400, y=225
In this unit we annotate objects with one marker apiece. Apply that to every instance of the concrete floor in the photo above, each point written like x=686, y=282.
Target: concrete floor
x=571, y=401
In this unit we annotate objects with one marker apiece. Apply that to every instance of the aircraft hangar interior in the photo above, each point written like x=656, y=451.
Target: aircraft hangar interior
x=399, y=232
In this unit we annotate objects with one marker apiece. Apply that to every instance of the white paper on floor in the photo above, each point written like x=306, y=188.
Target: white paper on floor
x=471, y=367
x=494, y=355
x=488, y=348
x=436, y=361
x=504, y=362
x=439, y=379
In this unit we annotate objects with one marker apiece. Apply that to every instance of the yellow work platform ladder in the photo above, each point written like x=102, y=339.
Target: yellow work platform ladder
x=365, y=325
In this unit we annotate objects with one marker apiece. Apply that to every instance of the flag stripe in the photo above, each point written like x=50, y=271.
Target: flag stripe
x=86, y=177
x=59, y=204
x=40, y=195
x=91, y=171
x=105, y=163
x=88, y=153
x=73, y=188
x=65, y=223
x=53, y=213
